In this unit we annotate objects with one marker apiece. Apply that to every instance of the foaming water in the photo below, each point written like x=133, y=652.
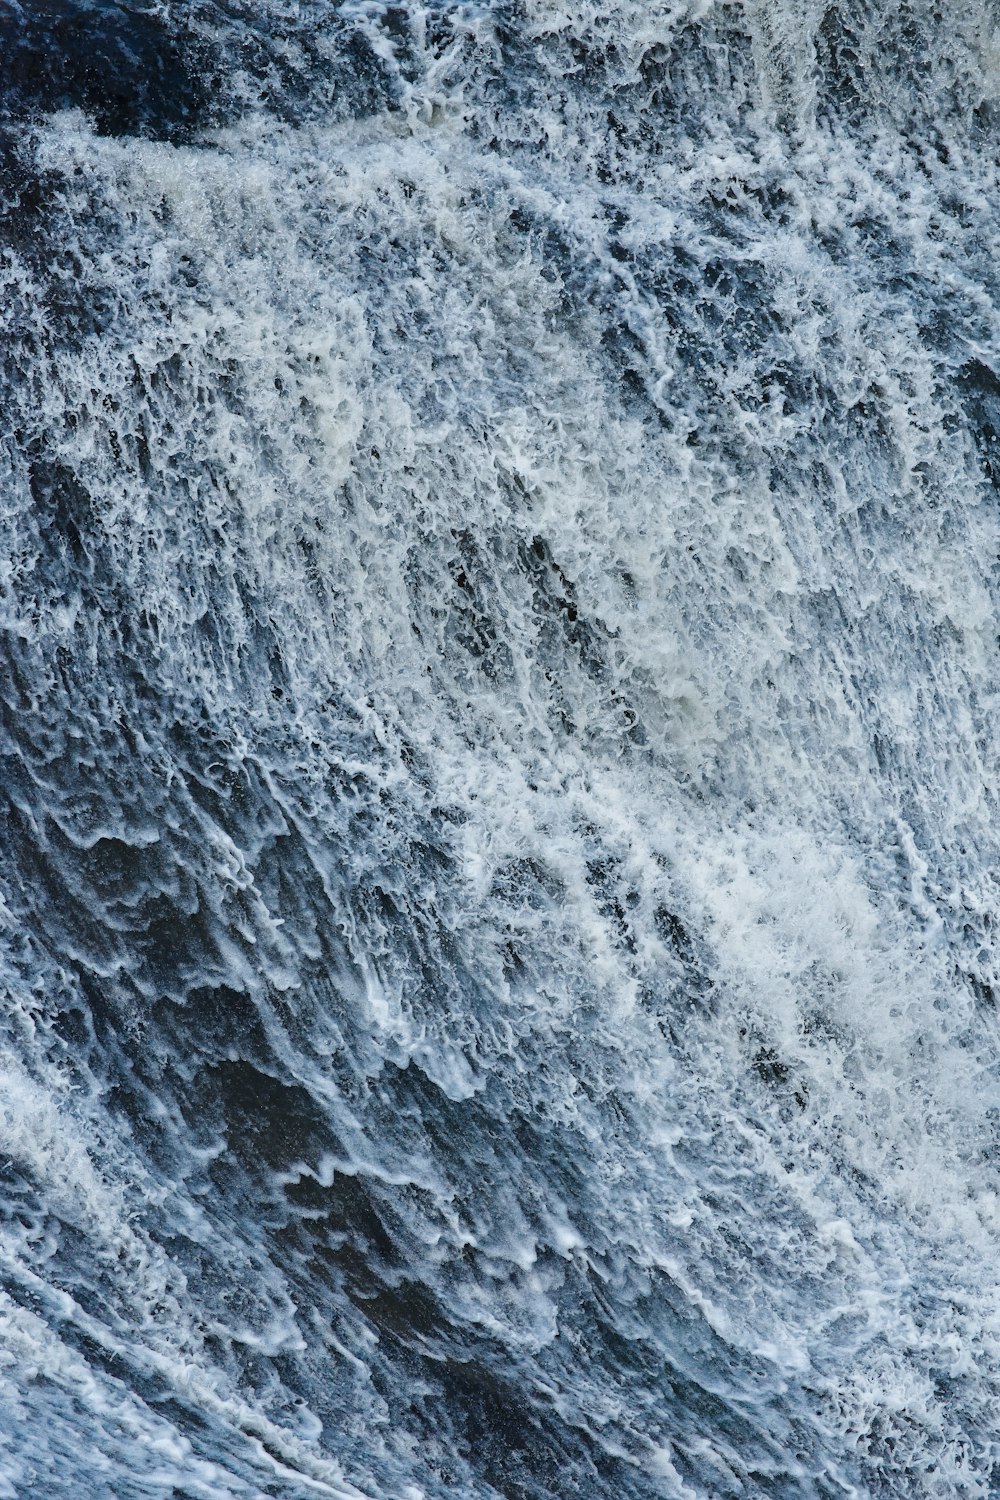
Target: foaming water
x=498, y=593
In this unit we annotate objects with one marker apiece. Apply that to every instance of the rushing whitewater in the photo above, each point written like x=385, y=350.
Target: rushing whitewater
x=500, y=867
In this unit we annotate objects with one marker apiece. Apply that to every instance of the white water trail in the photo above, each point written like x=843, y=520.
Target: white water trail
x=499, y=609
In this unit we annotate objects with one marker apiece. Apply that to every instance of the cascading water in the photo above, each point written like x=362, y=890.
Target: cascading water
x=499, y=761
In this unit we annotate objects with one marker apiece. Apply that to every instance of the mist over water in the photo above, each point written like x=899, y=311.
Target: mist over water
x=499, y=877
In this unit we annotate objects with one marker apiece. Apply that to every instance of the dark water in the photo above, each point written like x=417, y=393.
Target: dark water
x=499, y=761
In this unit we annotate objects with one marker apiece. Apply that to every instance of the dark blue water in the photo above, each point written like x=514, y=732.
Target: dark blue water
x=498, y=753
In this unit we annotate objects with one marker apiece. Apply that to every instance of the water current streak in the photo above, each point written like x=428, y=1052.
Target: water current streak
x=498, y=754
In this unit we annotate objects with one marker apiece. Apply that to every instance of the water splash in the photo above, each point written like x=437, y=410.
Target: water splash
x=498, y=606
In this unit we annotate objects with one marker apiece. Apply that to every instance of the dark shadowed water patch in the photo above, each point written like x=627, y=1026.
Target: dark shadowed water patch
x=130, y=70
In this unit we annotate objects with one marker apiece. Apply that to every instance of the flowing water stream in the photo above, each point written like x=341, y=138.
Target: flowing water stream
x=499, y=768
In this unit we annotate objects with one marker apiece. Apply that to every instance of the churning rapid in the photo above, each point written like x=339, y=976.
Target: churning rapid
x=499, y=705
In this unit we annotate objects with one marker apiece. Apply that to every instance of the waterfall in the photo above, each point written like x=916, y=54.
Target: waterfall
x=499, y=885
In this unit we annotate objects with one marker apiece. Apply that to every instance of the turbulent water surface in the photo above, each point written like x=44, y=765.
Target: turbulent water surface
x=498, y=719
